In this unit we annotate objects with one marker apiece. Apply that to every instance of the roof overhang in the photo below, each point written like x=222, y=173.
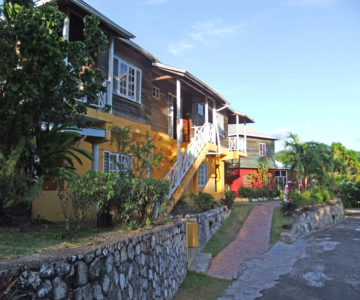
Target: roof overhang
x=89, y=9
x=243, y=117
x=191, y=78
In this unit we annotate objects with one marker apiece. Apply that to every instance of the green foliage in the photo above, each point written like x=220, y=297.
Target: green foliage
x=308, y=198
x=89, y=189
x=195, y=203
x=262, y=177
x=40, y=74
x=145, y=156
x=253, y=193
x=318, y=165
x=8, y=287
x=139, y=201
x=288, y=207
x=203, y=201
x=17, y=190
x=229, y=199
x=350, y=194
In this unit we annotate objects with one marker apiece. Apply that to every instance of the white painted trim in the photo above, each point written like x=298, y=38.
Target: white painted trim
x=110, y=73
x=120, y=60
x=206, y=109
x=95, y=153
x=178, y=117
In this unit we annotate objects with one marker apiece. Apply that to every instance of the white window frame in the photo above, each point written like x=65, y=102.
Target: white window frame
x=262, y=149
x=202, y=175
x=156, y=92
x=125, y=88
x=221, y=123
x=117, y=162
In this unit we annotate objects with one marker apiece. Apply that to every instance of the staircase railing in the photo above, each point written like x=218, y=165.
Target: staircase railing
x=202, y=135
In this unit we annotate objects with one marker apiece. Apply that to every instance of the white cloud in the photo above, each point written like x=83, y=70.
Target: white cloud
x=205, y=31
x=281, y=133
x=154, y=2
x=309, y=3
x=179, y=47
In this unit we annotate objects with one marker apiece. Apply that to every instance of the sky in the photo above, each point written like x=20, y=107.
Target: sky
x=292, y=65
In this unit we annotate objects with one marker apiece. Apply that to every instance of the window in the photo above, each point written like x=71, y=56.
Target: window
x=202, y=175
x=116, y=162
x=127, y=80
x=200, y=109
x=156, y=92
x=281, y=177
x=262, y=149
x=220, y=122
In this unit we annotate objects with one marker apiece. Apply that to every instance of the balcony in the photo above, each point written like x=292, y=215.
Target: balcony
x=237, y=144
x=102, y=97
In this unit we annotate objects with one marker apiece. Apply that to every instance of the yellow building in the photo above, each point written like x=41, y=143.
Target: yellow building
x=186, y=119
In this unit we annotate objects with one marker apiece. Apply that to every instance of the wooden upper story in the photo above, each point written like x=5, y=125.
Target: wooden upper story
x=141, y=89
x=259, y=145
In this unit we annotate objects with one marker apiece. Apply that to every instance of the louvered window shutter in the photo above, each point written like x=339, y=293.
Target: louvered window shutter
x=106, y=161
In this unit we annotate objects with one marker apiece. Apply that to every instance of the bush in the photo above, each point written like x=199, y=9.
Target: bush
x=139, y=201
x=229, y=199
x=309, y=198
x=195, y=203
x=350, y=194
x=93, y=187
x=288, y=207
x=253, y=193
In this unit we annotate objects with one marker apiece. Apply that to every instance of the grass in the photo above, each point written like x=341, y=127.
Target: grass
x=229, y=230
x=37, y=238
x=278, y=220
x=198, y=286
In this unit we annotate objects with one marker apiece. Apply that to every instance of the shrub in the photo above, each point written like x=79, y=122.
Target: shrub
x=229, y=199
x=264, y=192
x=288, y=207
x=204, y=201
x=93, y=187
x=139, y=201
x=350, y=194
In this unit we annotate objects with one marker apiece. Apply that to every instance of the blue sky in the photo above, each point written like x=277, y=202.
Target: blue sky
x=292, y=65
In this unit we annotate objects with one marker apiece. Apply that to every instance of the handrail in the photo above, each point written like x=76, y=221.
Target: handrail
x=237, y=144
x=202, y=135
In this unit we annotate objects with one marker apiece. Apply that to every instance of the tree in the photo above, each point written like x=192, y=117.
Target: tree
x=42, y=77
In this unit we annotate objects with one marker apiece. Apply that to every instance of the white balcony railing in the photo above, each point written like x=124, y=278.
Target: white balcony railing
x=202, y=135
x=237, y=144
x=101, y=99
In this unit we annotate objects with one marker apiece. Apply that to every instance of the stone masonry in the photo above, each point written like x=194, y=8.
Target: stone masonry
x=317, y=217
x=208, y=223
x=150, y=265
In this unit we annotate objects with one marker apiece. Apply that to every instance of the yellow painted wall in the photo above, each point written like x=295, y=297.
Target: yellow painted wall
x=47, y=205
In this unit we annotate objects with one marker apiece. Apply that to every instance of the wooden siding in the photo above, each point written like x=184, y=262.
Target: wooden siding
x=125, y=108
x=252, y=160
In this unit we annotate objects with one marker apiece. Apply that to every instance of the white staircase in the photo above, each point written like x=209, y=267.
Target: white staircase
x=202, y=135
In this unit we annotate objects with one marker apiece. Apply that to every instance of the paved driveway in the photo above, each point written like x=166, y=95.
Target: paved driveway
x=326, y=265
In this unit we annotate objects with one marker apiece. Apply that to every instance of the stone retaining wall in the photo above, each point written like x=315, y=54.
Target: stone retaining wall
x=150, y=265
x=208, y=223
x=318, y=217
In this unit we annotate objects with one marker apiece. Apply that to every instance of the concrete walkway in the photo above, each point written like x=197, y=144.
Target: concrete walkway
x=251, y=242
x=324, y=265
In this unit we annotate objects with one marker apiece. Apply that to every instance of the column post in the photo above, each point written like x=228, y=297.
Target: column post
x=178, y=117
x=95, y=153
x=66, y=31
x=110, y=73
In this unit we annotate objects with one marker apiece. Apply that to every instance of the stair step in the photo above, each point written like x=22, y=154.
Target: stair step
x=201, y=263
